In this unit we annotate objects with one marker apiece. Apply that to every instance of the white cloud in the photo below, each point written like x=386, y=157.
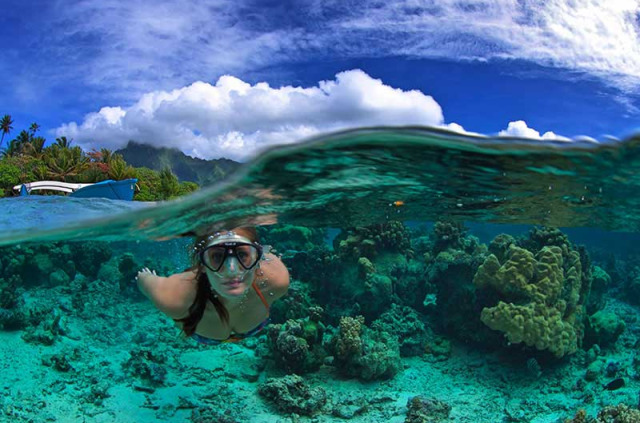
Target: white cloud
x=520, y=129
x=235, y=119
x=599, y=37
x=456, y=127
x=124, y=49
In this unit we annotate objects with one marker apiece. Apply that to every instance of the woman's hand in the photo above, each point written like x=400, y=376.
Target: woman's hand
x=144, y=272
x=147, y=279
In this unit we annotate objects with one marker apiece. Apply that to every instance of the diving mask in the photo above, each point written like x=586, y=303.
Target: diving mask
x=222, y=247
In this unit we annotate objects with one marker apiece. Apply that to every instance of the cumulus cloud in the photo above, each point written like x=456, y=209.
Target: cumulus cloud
x=456, y=127
x=520, y=129
x=235, y=119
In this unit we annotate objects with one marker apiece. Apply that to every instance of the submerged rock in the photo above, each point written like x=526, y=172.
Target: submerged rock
x=426, y=410
x=291, y=394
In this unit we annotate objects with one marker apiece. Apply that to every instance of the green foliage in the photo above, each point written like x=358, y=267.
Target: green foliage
x=119, y=169
x=65, y=164
x=187, y=188
x=149, y=183
x=9, y=176
x=169, y=185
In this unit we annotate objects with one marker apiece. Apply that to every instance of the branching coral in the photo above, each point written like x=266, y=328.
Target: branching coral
x=542, y=304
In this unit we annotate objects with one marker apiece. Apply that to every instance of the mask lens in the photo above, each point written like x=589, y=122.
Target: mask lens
x=213, y=257
x=247, y=255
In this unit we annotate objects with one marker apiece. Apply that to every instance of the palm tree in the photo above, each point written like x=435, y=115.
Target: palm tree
x=35, y=148
x=119, y=169
x=5, y=126
x=169, y=184
x=107, y=155
x=22, y=142
x=64, y=163
x=63, y=142
x=12, y=150
x=34, y=128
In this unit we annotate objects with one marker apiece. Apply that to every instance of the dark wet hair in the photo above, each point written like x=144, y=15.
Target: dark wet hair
x=203, y=289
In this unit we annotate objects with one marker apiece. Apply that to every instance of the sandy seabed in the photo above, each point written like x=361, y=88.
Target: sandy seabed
x=102, y=383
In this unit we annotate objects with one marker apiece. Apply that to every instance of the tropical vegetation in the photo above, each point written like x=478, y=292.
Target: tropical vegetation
x=26, y=159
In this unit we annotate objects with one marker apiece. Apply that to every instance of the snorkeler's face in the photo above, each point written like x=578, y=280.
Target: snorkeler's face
x=230, y=261
x=232, y=279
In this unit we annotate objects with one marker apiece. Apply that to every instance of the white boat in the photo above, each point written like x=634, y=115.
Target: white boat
x=115, y=190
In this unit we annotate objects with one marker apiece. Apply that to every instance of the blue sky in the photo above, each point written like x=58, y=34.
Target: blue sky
x=226, y=78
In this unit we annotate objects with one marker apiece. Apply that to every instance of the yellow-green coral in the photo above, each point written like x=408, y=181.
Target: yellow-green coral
x=365, y=267
x=535, y=324
x=349, y=342
x=541, y=306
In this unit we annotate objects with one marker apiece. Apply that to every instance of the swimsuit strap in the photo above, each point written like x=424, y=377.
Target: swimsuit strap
x=264, y=300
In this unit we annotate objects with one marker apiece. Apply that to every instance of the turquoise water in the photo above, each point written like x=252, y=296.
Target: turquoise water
x=497, y=280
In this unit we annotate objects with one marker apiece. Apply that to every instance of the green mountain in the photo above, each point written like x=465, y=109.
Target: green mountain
x=202, y=172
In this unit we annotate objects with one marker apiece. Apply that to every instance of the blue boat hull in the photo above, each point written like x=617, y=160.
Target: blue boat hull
x=114, y=190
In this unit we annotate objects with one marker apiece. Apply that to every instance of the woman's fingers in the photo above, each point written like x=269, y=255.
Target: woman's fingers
x=146, y=270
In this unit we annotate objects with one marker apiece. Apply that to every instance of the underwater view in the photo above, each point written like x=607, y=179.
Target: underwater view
x=408, y=274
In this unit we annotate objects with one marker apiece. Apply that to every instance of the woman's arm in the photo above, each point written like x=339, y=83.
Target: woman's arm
x=167, y=294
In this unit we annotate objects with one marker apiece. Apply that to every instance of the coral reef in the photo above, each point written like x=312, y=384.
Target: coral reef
x=375, y=296
x=47, y=331
x=632, y=286
x=371, y=240
x=620, y=413
x=405, y=323
x=147, y=365
x=447, y=235
x=364, y=353
x=458, y=303
x=295, y=305
x=603, y=328
x=426, y=410
x=600, y=284
x=212, y=414
x=286, y=238
x=329, y=280
x=297, y=344
x=500, y=246
x=290, y=394
x=89, y=256
x=540, y=302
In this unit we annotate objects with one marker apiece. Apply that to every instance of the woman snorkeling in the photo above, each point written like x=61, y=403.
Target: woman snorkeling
x=226, y=295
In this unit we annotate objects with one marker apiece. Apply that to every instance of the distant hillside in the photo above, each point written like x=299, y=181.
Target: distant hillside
x=202, y=172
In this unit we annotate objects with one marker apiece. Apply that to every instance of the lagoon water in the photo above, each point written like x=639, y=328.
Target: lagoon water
x=498, y=280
